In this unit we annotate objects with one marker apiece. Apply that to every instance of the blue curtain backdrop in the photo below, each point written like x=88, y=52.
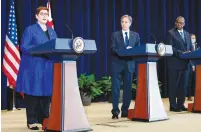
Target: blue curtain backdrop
x=97, y=19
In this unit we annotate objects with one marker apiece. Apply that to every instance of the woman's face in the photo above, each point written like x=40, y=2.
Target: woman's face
x=42, y=16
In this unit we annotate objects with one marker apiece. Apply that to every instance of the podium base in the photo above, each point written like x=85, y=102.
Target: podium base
x=196, y=106
x=197, y=98
x=148, y=104
x=67, y=112
x=190, y=108
x=132, y=117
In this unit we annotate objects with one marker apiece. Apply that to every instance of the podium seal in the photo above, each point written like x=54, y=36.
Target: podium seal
x=161, y=49
x=78, y=45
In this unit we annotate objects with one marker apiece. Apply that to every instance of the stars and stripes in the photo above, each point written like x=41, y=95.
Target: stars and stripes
x=11, y=58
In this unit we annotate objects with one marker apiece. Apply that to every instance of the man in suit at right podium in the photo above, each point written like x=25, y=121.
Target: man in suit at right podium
x=181, y=43
x=123, y=66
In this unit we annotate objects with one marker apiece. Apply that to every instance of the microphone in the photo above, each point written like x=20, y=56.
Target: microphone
x=153, y=37
x=70, y=31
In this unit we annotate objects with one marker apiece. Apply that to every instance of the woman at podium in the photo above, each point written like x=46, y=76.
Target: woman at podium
x=35, y=76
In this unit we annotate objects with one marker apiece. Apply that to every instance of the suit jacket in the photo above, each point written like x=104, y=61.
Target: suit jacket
x=179, y=46
x=123, y=63
x=35, y=76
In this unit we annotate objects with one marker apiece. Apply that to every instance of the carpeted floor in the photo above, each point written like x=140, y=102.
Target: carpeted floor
x=99, y=117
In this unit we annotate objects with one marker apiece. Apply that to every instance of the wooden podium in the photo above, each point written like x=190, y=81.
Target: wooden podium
x=148, y=103
x=195, y=56
x=67, y=112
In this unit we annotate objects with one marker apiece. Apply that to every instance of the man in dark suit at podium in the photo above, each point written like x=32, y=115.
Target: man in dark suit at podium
x=123, y=66
x=181, y=43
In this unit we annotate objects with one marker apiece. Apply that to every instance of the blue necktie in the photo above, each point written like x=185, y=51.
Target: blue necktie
x=126, y=39
x=182, y=35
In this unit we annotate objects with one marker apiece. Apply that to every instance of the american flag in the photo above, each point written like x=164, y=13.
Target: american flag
x=50, y=21
x=11, y=58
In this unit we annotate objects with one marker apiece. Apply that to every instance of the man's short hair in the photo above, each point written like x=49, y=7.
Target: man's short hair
x=179, y=18
x=129, y=17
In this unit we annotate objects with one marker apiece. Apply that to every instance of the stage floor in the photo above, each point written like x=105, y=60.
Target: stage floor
x=99, y=117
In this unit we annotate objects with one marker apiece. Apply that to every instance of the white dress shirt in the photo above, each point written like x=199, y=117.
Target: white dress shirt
x=124, y=35
x=181, y=31
x=193, y=44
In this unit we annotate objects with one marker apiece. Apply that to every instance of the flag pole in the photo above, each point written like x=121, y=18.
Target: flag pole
x=12, y=53
x=12, y=87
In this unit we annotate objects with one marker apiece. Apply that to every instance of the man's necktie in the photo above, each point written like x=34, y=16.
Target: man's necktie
x=126, y=39
x=182, y=36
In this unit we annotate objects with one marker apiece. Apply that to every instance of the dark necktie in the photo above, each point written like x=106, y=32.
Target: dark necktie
x=126, y=39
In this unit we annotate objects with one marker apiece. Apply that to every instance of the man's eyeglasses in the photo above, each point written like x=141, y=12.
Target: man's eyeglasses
x=182, y=23
x=43, y=14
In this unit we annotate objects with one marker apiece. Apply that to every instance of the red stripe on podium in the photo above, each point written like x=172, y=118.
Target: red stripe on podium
x=54, y=122
x=141, y=110
x=197, y=103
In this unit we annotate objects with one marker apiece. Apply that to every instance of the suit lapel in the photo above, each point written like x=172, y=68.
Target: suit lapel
x=121, y=39
x=180, y=38
x=131, y=38
x=188, y=45
x=43, y=35
x=50, y=33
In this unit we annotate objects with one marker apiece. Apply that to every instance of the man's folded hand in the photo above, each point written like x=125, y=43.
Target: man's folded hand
x=186, y=52
x=128, y=47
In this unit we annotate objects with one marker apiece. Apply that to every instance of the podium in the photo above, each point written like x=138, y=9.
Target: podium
x=67, y=112
x=148, y=105
x=195, y=56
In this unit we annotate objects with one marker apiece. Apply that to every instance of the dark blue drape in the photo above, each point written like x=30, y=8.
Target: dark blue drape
x=97, y=19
